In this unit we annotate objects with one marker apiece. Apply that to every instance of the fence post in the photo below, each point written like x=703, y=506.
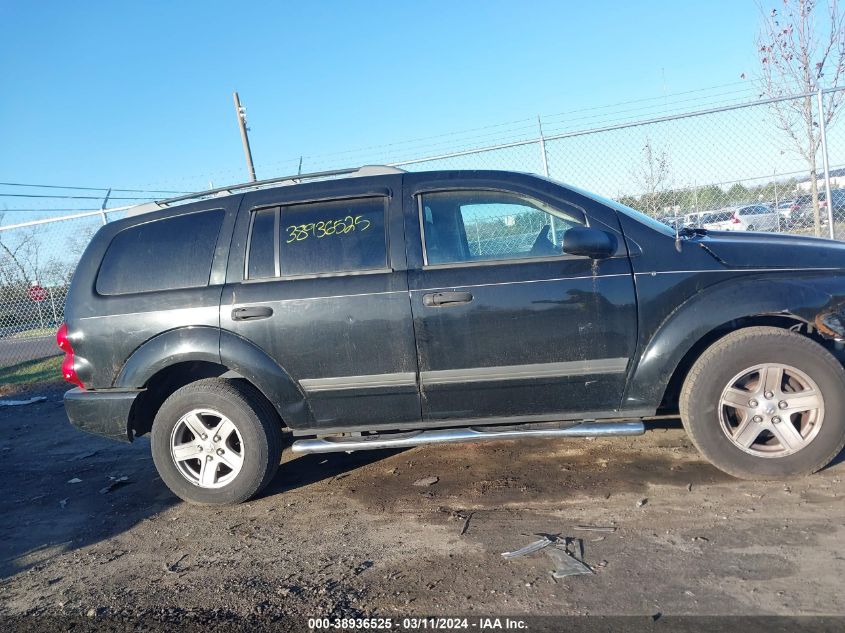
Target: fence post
x=53, y=305
x=545, y=158
x=823, y=137
x=103, y=208
x=40, y=314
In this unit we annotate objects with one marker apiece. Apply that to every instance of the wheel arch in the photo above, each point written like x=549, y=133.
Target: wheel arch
x=178, y=357
x=707, y=316
x=671, y=393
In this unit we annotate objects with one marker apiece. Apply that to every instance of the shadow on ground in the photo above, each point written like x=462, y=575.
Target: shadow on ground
x=64, y=489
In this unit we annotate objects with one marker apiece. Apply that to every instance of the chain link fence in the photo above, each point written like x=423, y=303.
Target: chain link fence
x=756, y=166
x=743, y=167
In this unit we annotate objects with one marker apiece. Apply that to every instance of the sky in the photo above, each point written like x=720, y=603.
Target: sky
x=139, y=95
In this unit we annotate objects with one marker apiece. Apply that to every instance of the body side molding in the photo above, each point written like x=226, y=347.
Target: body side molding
x=525, y=372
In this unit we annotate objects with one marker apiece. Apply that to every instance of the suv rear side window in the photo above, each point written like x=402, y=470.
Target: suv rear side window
x=314, y=238
x=163, y=254
x=467, y=226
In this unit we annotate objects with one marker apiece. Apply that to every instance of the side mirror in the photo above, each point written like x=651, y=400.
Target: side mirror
x=582, y=240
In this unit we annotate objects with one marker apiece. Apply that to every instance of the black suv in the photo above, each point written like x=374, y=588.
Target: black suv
x=391, y=309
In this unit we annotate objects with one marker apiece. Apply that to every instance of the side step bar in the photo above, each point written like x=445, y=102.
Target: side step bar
x=454, y=436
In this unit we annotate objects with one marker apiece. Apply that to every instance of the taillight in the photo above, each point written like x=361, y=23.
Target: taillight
x=735, y=219
x=68, y=372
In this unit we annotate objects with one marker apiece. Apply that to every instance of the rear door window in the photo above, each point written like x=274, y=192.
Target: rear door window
x=333, y=237
x=165, y=254
x=318, y=238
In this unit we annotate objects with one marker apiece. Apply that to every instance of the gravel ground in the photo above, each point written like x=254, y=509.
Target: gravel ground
x=351, y=535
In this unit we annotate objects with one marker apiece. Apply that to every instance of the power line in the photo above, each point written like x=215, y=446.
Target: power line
x=621, y=116
x=661, y=97
x=44, y=210
x=410, y=143
x=36, y=195
x=21, y=184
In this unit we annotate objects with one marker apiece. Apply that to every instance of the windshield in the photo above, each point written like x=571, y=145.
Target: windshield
x=657, y=225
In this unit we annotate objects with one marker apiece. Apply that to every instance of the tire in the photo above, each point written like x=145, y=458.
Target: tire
x=244, y=455
x=750, y=227
x=724, y=371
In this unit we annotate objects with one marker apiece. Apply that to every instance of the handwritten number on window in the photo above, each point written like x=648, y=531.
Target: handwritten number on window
x=326, y=228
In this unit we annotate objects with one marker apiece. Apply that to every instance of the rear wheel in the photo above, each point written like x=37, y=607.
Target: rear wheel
x=216, y=441
x=764, y=403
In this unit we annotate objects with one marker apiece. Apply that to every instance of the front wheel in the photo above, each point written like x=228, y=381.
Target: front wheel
x=216, y=441
x=764, y=403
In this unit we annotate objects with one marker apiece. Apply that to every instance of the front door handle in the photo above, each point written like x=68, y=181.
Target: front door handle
x=251, y=313
x=445, y=299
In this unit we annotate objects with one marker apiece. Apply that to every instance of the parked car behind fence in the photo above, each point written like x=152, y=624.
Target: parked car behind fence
x=755, y=217
x=717, y=220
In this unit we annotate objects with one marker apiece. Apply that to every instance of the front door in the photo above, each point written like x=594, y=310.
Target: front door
x=317, y=281
x=508, y=325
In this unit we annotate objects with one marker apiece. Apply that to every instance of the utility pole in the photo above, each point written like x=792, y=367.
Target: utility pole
x=241, y=113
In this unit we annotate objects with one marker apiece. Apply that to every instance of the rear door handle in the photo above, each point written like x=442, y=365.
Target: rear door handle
x=251, y=313
x=445, y=299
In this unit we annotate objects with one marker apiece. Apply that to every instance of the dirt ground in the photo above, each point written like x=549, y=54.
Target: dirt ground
x=351, y=535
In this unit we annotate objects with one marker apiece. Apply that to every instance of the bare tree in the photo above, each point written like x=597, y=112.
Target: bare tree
x=13, y=258
x=59, y=270
x=653, y=178
x=802, y=50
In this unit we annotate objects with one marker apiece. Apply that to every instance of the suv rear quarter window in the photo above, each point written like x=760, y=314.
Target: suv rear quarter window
x=165, y=254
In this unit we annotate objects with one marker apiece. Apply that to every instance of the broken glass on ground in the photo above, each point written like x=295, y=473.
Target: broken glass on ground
x=567, y=563
x=536, y=546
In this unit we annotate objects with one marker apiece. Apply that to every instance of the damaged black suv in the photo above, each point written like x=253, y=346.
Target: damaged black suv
x=378, y=308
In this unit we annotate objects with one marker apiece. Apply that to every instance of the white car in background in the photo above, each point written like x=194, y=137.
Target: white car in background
x=717, y=220
x=753, y=217
x=692, y=219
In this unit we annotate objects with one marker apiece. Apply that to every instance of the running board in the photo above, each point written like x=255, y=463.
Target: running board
x=454, y=436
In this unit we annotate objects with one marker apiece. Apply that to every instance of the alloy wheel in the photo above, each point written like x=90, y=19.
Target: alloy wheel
x=771, y=410
x=207, y=448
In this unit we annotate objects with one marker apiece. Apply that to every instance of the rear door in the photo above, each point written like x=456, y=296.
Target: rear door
x=507, y=325
x=317, y=280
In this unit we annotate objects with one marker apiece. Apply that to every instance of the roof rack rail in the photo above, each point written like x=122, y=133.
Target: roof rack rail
x=364, y=170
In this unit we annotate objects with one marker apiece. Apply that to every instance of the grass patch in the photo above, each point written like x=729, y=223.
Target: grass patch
x=35, y=333
x=32, y=371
